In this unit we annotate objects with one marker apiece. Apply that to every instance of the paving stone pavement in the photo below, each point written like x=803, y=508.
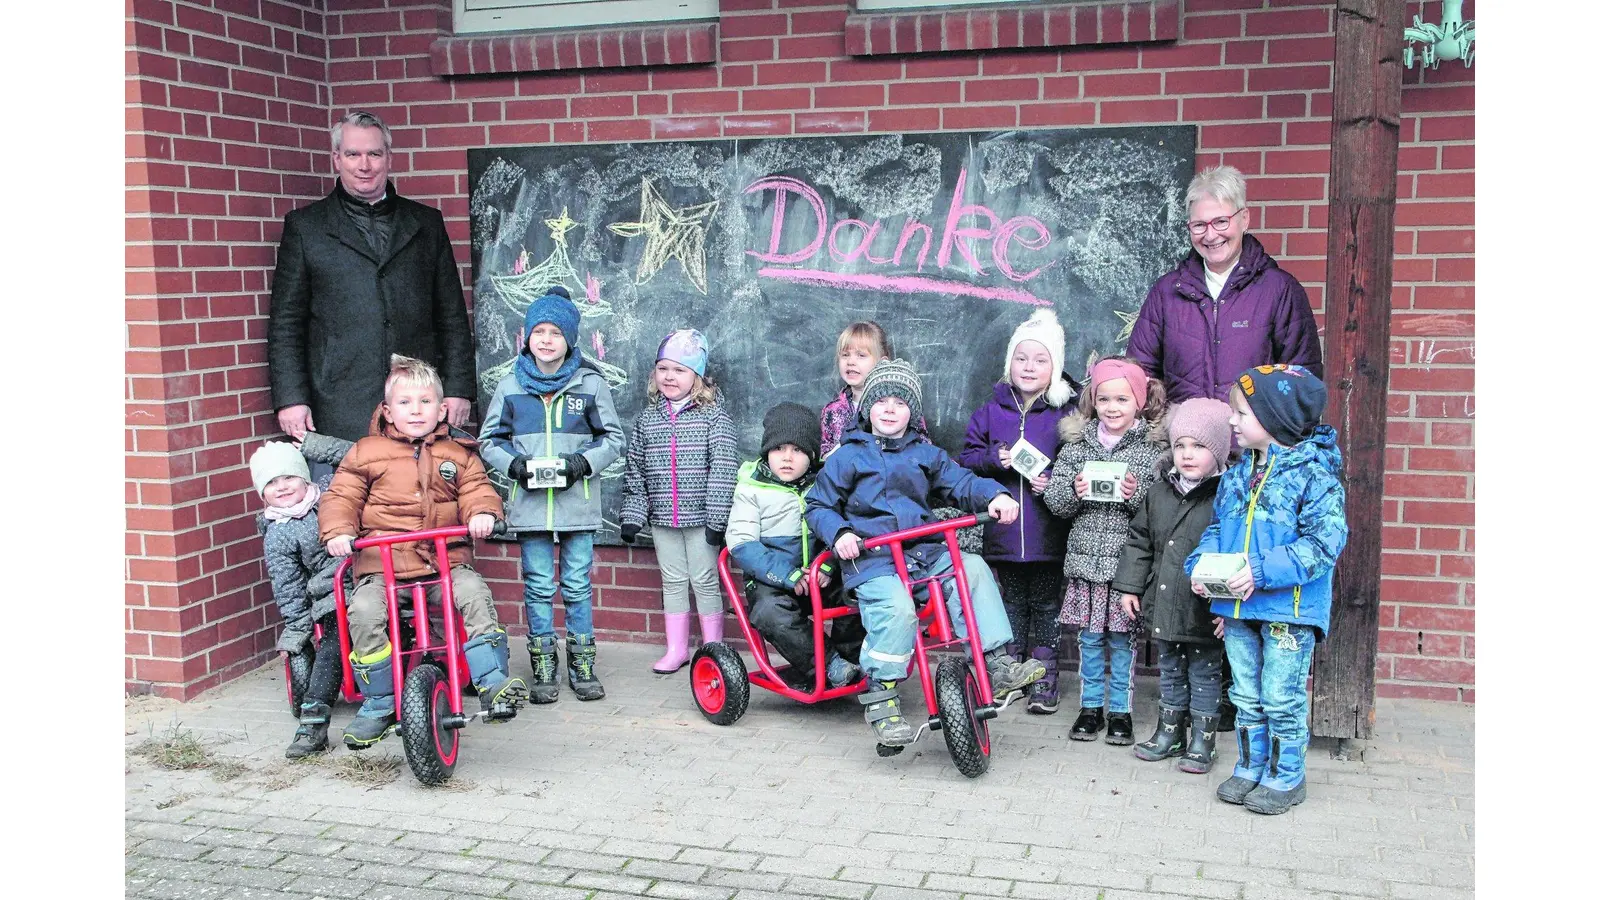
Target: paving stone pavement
x=638, y=796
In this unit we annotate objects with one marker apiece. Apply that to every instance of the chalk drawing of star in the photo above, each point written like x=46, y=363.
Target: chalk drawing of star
x=669, y=234
x=1128, y=318
x=560, y=226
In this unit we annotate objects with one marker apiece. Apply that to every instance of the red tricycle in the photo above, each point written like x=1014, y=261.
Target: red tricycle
x=960, y=701
x=430, y=670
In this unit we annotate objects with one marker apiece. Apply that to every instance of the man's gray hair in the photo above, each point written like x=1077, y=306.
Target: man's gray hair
x=364, y=119
x=1224, y=184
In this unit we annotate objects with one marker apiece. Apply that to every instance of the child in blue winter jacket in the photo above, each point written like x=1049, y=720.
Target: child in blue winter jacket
x=555, y=405
x=1282, y=506
x=889, y=479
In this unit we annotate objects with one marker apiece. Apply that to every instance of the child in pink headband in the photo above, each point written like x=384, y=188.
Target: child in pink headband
x=1118, y=420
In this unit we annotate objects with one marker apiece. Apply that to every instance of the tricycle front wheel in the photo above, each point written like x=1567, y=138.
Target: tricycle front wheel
x=431, y=748
x=965, y=734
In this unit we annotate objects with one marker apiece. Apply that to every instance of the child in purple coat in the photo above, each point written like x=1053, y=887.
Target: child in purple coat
x=1029, y=402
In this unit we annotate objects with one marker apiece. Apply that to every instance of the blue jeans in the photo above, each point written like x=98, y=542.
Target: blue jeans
x=1092, y=669
x=1270, y=661
x=539, y=582
x=891, y=618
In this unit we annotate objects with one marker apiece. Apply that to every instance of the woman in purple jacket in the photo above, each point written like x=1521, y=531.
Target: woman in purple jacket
x=1029, y=401
x=1226, y=307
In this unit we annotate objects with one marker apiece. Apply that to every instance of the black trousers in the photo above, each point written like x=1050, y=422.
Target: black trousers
x=784, y=620
x=1031, y=593
x=327, y=669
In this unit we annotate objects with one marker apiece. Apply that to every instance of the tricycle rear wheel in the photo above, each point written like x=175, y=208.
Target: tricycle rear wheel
x=431, y=748
x=720, y=683
x=967, y=736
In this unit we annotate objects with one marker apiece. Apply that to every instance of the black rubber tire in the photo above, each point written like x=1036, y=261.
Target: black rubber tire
x=724, y=700
x=297, y=672
x=967, y=736
x=431, y=749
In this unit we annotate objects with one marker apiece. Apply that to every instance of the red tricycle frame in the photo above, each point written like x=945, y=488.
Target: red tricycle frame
x=720, y=681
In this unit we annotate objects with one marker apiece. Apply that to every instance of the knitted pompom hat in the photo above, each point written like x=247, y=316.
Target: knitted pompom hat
x=1204, y=419
x=1044, y=327
x=892, y=378
x=274, y=459
x=557, y=308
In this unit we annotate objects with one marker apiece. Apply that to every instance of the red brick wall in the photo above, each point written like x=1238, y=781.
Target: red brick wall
x=1255, y=75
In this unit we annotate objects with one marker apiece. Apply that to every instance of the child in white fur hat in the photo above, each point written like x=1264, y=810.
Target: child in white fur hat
x=301, y=571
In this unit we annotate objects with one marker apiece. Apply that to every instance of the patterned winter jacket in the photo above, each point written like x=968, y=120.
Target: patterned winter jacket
x=389, y=483
x=1291, y=527
x=1099, y=529
x=767, y=532
x=578, y=418
x=681, y=467
x=298, y=564
x=874, y=485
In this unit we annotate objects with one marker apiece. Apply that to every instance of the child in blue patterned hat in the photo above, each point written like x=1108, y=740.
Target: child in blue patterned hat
x=1282, y=506
x=683, y=462
x=555, y=405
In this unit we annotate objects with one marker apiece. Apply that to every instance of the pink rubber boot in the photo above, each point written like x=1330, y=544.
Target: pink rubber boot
x=677, y=645
x=710, y=628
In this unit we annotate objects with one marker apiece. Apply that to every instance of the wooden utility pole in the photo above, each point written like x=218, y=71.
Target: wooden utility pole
x=1367, y=39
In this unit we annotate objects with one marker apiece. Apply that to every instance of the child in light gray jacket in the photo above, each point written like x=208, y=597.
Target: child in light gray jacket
x=555, y=405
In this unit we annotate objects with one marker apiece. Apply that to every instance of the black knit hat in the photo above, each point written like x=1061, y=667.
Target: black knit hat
x=791, y=423
x=1288, y=400
x=892, y=378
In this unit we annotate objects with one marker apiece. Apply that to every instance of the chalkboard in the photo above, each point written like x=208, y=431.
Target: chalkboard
x=770, y=247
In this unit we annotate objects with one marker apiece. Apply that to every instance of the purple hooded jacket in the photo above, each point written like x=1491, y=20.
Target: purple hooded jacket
x=1197, y=346
x=1037, y=535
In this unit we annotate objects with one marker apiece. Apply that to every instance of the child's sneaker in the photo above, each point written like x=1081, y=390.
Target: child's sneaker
x=882, y=701
x=1006, y=674
x=841, y=671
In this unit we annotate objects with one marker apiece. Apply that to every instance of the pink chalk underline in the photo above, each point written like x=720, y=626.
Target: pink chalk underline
x=902, y=284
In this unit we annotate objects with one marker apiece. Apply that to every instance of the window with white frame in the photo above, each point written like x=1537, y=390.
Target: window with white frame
x=481, y=16
x=868, y=6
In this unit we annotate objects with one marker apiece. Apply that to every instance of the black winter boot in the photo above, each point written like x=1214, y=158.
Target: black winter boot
x=1043, y=699
x=542, y=657
x=1169, y=736
x=1090, y=720
x=312, y=735
x=1119, y=728
x=580, y=668
x=1202, y=747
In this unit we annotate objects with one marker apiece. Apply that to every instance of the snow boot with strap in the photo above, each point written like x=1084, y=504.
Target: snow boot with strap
x=374, y=677
x=542, y=658
x=882, y=700
x=580, y=668
x=488, y=660
x=1168, y=739
x=312, y=735
x=1252, y=765
x=1285, y=783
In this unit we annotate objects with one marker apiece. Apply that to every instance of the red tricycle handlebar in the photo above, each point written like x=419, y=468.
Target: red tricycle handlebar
x=447, y=532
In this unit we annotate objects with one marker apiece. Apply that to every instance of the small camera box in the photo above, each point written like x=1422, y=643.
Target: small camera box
x=1104, y=478
x=547, y=472
x=1213, y=570
x=1027, y=460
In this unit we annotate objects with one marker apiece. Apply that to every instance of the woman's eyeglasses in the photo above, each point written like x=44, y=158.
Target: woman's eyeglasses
x=1219, y=224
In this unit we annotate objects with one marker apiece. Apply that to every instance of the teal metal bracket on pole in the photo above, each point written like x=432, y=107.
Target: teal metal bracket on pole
x=1451, y=39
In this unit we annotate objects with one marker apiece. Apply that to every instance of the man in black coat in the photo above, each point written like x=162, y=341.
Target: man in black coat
x=361, y=274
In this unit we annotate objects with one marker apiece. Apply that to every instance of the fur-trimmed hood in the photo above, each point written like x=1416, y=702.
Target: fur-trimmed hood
x=1075, y=429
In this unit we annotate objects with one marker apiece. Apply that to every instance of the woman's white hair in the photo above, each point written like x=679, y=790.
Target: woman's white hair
x=360, y=118
x=1224, y=184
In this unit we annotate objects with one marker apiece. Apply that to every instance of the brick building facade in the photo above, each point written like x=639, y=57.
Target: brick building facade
x=228, y=105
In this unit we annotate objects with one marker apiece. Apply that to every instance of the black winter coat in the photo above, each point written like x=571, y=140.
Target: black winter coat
x=339, y=310
x=1162, y=534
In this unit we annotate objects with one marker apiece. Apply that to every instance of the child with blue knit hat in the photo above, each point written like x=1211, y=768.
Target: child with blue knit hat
x=1282, y=508
x=556, y=406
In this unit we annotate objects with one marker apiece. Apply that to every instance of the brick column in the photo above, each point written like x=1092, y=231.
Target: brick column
x=226, y=131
